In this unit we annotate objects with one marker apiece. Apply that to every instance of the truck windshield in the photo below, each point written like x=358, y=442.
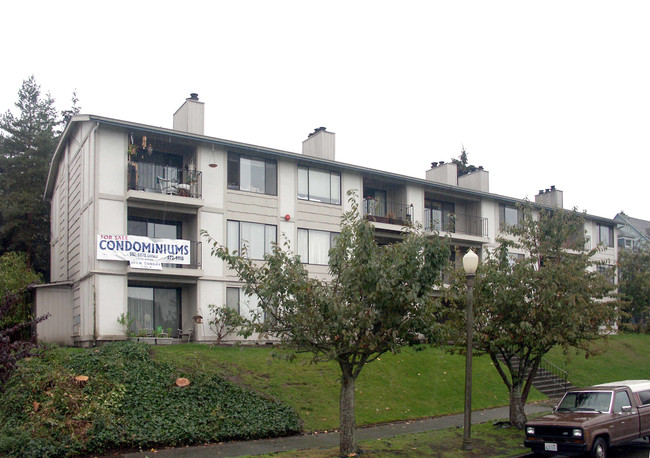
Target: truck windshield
x=596, y=401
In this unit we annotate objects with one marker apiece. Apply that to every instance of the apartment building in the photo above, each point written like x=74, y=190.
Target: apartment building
x=129, y=202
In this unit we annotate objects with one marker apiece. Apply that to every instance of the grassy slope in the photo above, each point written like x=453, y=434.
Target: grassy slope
x=411, y=384
x=622, y=357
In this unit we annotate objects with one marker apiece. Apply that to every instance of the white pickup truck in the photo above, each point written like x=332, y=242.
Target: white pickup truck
x=589, y=420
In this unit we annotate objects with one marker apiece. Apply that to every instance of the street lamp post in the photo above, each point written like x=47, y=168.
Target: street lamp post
x=470, y=264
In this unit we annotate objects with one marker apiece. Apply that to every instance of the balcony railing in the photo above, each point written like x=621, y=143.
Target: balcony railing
x=455, y=223
x=387, y=212
x=162, y=179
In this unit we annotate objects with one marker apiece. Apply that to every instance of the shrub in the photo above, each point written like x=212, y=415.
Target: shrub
x=224, y=321
x=129, y=401
x=13, y=350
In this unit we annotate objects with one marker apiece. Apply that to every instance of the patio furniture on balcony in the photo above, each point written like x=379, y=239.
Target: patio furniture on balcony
x=387, y=212
x=167, y=186
x=162, y=179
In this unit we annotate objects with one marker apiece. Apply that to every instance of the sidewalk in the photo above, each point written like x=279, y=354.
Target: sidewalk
x=326, y=440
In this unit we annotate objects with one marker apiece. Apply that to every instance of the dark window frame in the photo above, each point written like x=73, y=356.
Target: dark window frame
x=239, y=237
x=610, y=235
x=332, y=235
x=234, y=173
x=309, y=197
x=502, y=215
x=179, y=305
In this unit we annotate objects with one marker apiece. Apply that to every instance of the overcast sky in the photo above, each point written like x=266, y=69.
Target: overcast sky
x=539, y=93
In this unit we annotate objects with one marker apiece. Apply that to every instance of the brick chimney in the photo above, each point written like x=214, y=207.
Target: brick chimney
x=190, y=116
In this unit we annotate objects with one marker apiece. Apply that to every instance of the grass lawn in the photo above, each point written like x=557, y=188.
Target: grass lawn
x=410, y=384
x=621, y=357
x=487, y=440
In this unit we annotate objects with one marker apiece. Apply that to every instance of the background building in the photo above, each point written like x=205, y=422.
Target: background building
x=632, y=232
x=156, y=186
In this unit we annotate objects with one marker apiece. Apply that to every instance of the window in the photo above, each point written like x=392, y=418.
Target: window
x=644, y=397
x=374, y=202
x=608, y=271
x=157, y=229
x=624, y=242
x=621, y=400
x=439, y=216
x=151, y=308
x=509, y=215
x=247, y=173
x=513, y=258
x=232, y=299
x=319, y=185
x=257, y=238
x=606, y=235
x=245, y=305
x=314, y=246
x=153, y=228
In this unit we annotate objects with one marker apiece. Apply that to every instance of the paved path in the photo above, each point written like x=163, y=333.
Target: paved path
x=326, y=440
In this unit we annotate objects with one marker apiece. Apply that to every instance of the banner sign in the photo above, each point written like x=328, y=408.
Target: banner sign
x=143, y=252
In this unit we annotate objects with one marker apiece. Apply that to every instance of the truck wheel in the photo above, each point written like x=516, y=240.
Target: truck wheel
x=599, y=450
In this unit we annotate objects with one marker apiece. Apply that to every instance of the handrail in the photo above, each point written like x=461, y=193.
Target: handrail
x=557, y=372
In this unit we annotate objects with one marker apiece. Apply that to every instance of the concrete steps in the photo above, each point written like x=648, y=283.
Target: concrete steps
x=548, y=380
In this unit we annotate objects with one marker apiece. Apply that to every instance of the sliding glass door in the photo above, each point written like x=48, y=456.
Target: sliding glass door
x=151, y=307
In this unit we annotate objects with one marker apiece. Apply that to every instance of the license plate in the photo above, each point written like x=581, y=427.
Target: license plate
x=550, y=446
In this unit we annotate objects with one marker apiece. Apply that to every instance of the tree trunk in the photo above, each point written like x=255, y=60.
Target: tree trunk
x=517, y=413
x=348, y=443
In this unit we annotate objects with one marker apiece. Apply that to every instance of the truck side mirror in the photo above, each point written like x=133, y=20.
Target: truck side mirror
x=626, y=409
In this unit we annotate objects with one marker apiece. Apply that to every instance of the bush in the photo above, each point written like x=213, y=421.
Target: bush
x=129, y=401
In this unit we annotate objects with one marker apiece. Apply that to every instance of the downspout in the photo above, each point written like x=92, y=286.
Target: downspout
x=95, y=188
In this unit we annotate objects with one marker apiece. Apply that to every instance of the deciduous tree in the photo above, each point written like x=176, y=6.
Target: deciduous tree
x=524, y=307
x=634, y=286
x=379, y=299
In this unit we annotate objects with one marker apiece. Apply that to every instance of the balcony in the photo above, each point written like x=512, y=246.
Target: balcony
x=455, y=223
x=162, y=179
x=387, y=212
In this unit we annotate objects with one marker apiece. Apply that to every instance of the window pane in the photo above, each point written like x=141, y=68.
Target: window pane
x=232, y=298
x=335, y=190
x=270, y=183
x=319, y=186
x=303, y=183
x=252, y=235
x=232, y=235
x=606, y=235
x=140, y=308
x=270, y=238
x=137, y=228
x=303, y=245
x=252, y=173
x=167, y=309
x=233, y=171
x=621, y=400
x=511, y=216
x=248, y=305
x=319, y=245
x=333, y=236
x=164, y=231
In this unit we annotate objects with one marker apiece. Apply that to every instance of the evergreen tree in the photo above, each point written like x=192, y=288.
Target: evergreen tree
x=27, y=142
